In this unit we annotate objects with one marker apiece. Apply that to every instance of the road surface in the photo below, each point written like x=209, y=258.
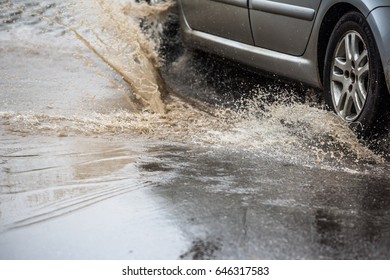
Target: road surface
x=102, y=159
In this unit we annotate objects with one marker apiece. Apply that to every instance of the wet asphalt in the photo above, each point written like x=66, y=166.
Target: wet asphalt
x=70, y=191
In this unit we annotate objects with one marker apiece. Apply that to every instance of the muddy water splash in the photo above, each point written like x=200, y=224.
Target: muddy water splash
x=305, y=136
x=293, y=131
x=113, y=32
x=267, y=117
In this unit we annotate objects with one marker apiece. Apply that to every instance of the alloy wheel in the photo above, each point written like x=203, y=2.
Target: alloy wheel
x=350, y=75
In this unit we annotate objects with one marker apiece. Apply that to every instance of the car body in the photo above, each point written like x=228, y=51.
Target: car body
x=291, y=38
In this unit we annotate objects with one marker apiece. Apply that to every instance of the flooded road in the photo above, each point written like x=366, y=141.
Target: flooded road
x=119, y=143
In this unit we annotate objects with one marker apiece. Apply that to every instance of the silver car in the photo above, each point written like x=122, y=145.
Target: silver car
x=342, y=47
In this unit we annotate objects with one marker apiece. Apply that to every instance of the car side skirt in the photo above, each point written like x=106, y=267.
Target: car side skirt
x=292, y=67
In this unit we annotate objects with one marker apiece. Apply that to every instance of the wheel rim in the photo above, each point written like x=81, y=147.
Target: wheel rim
x=350, y=76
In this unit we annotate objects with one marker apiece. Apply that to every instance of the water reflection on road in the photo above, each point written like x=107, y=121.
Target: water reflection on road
x=81, y=198
x=111, y=198
x=256, y=208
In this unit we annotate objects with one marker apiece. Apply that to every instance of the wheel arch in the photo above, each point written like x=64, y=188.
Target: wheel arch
x=328, y=23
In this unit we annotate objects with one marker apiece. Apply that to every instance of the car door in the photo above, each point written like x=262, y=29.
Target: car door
x=283, y=25
x=224, y=18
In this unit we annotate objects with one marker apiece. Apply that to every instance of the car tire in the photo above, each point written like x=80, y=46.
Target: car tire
x=354, y=83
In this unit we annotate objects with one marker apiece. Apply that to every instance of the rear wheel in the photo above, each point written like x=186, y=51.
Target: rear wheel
x=353, y=74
